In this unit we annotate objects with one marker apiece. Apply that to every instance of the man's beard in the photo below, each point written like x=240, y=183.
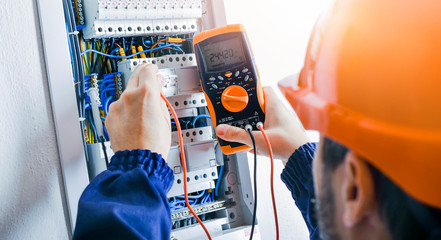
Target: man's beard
x=325, y=208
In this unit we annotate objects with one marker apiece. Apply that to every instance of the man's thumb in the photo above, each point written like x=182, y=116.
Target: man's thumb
x=233, y=134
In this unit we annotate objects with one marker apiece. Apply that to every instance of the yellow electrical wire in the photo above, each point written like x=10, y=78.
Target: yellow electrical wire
x=92, y=134
x=88, y=47
x=133, y=48
x=140, y=49
x=88, y=132
x=86, y=136
x=84, y=57
x=105, y=62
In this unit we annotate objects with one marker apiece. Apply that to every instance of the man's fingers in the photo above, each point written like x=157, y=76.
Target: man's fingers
x=134, y=79
x=270, y=95
x=141, y=74
x=147, y=76
x=233, y=134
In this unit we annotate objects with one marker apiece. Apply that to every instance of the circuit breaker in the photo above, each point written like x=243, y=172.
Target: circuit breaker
x=108, y=39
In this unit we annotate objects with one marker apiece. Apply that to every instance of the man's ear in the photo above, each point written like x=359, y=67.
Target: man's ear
x=357, y=189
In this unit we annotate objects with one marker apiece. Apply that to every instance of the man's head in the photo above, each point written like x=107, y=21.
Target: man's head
x=356, y=201
x=371, y=81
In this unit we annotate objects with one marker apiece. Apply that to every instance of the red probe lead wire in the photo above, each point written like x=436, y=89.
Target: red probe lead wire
x=184, y=165
x=272, y=179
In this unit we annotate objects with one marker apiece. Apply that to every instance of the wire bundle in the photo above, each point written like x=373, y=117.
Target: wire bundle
x=178, y=202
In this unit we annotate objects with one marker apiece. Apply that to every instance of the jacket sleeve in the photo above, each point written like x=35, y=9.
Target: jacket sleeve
x=297, y=177
x=127, y=201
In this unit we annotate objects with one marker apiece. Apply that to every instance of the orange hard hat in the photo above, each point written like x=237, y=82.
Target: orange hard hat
x=372, y=81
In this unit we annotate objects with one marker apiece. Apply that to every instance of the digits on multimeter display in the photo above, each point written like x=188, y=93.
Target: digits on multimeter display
x=223, y=53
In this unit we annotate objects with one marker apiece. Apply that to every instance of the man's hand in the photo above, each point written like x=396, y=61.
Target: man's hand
x=140, y=119
x=282, y=128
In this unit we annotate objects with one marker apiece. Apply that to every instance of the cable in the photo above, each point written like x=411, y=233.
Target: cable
x=197, y=117
x=219, y=179
x=103, y=145
x=154, y=45
x=248, y=128
x=171, y=40
x=194, y=196
x=276, y=220
x=106, y=105
x=184, y=165
x=130, y=56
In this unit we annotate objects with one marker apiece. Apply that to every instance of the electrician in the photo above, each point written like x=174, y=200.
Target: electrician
x=370, y=85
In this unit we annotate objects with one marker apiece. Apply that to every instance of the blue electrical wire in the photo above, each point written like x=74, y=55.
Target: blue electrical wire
x=219, y=178
x=105, y=81
x=107, y=104
x=197, y=117
x=193, y=196
x=205, y=198
x=201, y=198
x=130, y=56
x=177, y=204
x=110, y=87
x=180, y=49
x=114, y=51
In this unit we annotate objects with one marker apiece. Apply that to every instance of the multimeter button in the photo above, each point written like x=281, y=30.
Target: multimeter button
x=214, y=86
x=220, y=78
x=237, y=74
x=246, y=77
x=212, y=79
x=245, y=70
x=235, y=98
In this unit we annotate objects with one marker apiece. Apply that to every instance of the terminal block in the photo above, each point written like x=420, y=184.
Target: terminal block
x=91, y=81
x=118, y=81
x=79, y=14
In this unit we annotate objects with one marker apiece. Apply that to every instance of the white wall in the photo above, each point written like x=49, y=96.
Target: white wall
x=279, y=33
x=31, y=191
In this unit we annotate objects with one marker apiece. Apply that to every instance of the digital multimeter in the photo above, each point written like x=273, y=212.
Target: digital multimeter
x=230, y=80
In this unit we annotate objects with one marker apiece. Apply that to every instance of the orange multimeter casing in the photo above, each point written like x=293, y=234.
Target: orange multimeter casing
x=229, y=80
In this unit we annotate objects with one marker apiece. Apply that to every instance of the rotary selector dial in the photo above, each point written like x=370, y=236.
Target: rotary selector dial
x=235, y=98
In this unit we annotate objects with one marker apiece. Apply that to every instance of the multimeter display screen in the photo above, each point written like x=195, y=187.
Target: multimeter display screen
x=223, y=53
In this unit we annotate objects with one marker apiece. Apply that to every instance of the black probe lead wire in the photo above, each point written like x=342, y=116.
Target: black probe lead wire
x=103, y=146
x=255, y=183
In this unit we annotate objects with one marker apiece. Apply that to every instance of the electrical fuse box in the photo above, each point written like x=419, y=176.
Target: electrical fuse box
x=108, y=39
